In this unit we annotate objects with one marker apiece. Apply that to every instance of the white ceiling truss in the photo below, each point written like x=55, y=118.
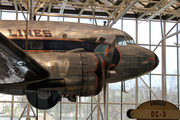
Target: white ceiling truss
x=110, y=10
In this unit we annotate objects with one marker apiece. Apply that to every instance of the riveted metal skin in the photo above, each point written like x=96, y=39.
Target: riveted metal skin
x=59, y=30
x=83, y=72
x=134, y=62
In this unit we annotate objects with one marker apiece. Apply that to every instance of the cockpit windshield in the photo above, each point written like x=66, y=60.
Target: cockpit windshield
x=124, y=40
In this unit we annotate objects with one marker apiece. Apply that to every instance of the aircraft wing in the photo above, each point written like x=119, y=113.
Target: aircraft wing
x=17, y=66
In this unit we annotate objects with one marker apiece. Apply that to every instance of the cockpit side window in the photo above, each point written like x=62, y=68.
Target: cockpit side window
x=130, y=41
x=121, y=40
x=124, y=40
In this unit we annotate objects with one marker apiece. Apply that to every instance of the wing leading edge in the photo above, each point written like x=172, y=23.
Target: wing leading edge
x=17, y=66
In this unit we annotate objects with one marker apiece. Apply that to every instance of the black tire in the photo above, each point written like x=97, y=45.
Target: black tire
x=43, y=99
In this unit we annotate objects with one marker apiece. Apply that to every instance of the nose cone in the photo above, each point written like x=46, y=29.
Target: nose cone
x=134, y=61
x=156, y=60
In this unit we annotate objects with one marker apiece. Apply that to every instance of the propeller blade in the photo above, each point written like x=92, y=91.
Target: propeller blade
x=109, y=56
x=108, y=61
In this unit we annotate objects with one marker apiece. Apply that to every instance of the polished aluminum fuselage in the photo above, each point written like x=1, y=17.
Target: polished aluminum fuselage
x=75, y=67
x=59, y=29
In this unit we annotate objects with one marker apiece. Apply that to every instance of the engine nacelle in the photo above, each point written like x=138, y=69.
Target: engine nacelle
x=82, y=73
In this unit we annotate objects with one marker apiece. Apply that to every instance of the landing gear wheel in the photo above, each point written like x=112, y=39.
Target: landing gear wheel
x=43, y=99
x=43, y=95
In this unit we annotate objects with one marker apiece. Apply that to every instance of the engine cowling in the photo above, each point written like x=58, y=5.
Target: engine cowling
x=82, y=73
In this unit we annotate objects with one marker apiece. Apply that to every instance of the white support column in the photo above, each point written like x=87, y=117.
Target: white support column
x=107, y=102
x=98, y=106
x=136, y=31
x=12, y=106
x=0, y=14
x=136, y=99
x=164, y=66
x=178, y=65
x=150, y=95
x=136, y=92
x=77, y=107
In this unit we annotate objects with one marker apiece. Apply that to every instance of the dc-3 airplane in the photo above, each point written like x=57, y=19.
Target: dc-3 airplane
x=66, y=59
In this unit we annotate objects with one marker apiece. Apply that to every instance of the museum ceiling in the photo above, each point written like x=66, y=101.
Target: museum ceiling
x=110, y=10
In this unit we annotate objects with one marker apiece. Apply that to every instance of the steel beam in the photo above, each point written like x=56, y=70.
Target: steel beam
x=31, y=9
x=124, y=12
x=104, y=10
x=166, y=35
x=73, y=16
x=149, y=10
x=83, y=8
x=21, y=10
x=39, y=6
x=16, y=8
x=43, y=11
x=174, y=12
x=115, y=13
x=25, y=5
x=161, y=10
x=173, y=16
x=36, y=5
x=149, y=88
x=63, y=7
x=49, y=9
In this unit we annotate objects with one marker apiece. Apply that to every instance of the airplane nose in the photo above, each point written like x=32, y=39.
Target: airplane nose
x=156, y=60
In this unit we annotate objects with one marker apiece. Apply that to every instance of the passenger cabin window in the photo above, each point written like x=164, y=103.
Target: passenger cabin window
x=36, y=45
x=124, y=40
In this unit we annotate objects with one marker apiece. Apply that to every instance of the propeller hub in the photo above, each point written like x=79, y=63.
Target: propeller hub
x=156, y=61
x=111, y=74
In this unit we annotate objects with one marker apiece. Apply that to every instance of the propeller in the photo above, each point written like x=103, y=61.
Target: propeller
x=109, y=56
x=107, y=63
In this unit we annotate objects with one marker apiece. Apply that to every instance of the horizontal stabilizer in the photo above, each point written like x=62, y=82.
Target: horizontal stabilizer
x=17, y=66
